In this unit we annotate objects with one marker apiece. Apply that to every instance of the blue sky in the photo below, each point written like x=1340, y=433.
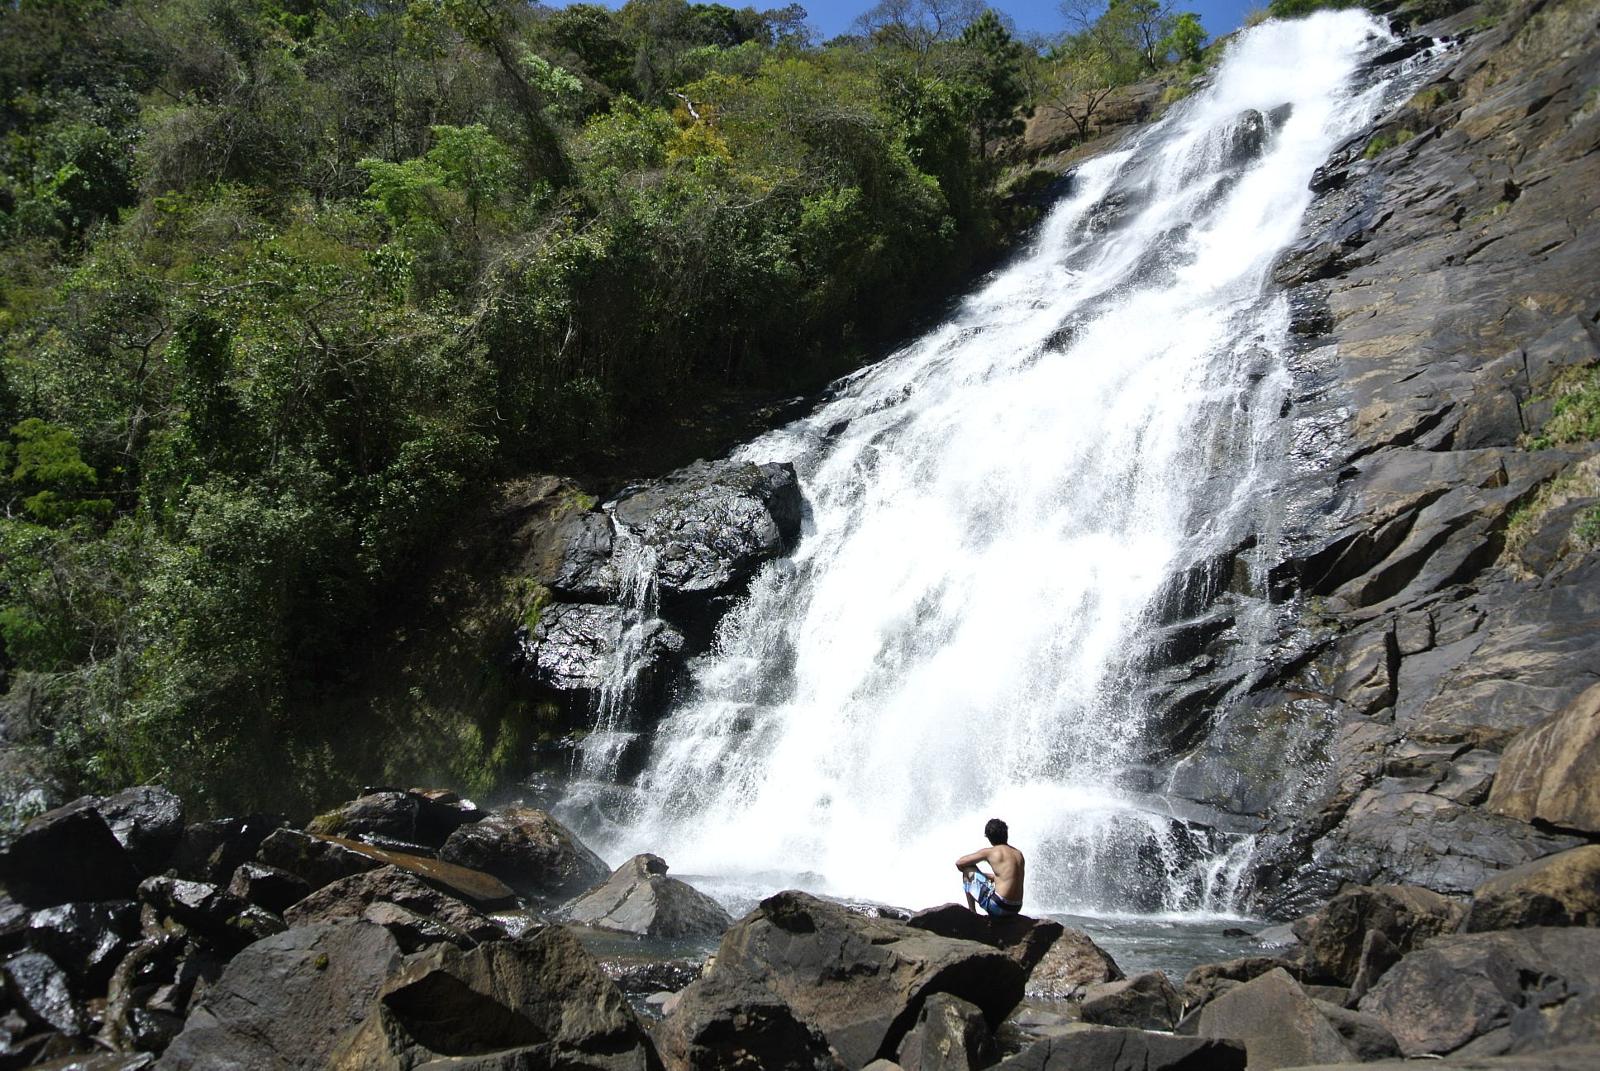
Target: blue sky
x=833, y=17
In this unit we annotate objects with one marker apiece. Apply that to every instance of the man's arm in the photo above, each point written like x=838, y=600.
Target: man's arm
x=972, y=859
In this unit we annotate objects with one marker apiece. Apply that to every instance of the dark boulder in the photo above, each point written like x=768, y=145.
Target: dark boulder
x=577, y=565
x=572, y=648
x=1332, y=939
x=1558, y=890
x=738, y=1024
x=860, y=981
x=710, y=525
x=146, y=820
x=1534, y=989
x=1072, y=963
x=1246, y=138
x=41, y=990
x=950, y=1035
x=268, y=886
x=1364, y=1035
x=1107, y=1048
x=285, y=1002
x=100, y=1061
x=317, y=861
x=350, y=897
x=1025, y=939
x=406, y=817
x=1279, y=1025
x=1547, y=773
x=1145, y=1002
x=529, y=850
x=412, y=931
x=221, y=918
x=150, y=992
x=640, y=898
x=214, y=849
x=538, y=1001
x=67, y=855
x=87, y=940
x=648, y=976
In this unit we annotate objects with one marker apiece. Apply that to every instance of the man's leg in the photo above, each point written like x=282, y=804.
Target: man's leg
x=966, y=887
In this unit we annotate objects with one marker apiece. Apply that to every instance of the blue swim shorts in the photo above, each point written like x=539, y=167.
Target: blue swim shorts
x=980, y=887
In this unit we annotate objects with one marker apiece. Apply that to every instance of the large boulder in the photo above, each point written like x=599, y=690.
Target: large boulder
x=1332, y=939
x=1364, y=1035
x=861, y=981
x=323, y=860
x=1025, y=939
x=287, y=1001
x=147, y=820
x=538, y=1001
x=737, y=1024
x=268, y=886
x=1107, y=1048
x=409, y=817
x=640, y=898
x=351, y=897
x=1071, y=964
x=151, y=991
x=1147, y=1001
x=37, y=987
x=1278, y=1023
x=1547, y=773
x=573, y=649
x=710, y=525
x=87, y=940
x=223, y=919
x=1518, y=990
x=66, y=855
x=950, y=1035
x=529, y=850
x=1558, y=890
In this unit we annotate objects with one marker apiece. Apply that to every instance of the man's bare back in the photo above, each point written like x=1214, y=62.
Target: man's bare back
x=1002, y=895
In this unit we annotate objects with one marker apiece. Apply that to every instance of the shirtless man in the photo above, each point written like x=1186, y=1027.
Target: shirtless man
x=1001, y=894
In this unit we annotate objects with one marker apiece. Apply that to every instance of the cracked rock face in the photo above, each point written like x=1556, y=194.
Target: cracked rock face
x=1448, y=589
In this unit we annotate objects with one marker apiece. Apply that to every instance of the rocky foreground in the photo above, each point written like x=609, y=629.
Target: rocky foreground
x=411, y=929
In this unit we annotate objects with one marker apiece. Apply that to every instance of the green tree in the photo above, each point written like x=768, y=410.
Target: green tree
x=995, y=67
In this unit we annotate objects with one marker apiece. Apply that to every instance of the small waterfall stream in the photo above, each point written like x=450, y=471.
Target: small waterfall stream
x=996, y=514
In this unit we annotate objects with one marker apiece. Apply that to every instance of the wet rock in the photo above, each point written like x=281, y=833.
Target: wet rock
x=269, y=887
x=710, y=525
x=734, y=1024
x=1547, y=774
x=286, y=1001
x=151, y=990
x=652, y=976
x=323, y=860
x=950, y=1035
x=103, y=1061
x=529, y=850
x=539, y=1001
x=408, y=817
x=573, y=647
x=67, y=855
x=640, y=898
x=146, y=820
x=222, y=918
x=1247, y=137
x=42, y=992
x=1332, y=940
x=860, y=981
x=1071, y=964
x=1541, y=986
x=213, y=850
x=1558, y=890
x=1145, y=1002
x=1025, y=939
x=1106, y=1048
x=1279, y=1025
x=87, y=940
x=577, y=566
x=1364, y=1035
x=351, y=897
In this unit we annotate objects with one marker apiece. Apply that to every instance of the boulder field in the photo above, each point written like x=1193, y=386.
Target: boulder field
x=325, y=949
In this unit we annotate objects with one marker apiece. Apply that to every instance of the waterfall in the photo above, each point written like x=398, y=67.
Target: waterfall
x=995, y=514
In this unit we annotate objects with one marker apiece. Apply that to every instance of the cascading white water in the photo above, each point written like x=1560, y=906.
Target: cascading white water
x=993, y=513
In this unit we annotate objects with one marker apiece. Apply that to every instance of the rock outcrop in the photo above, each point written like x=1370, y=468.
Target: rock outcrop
x=640, y=898
x=528, y=850
x=1547, y=772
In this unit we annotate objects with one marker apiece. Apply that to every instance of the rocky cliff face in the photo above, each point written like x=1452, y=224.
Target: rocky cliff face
x=1442, y=526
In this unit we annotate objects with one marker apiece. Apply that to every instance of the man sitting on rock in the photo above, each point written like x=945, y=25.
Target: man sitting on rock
x=1002, y=893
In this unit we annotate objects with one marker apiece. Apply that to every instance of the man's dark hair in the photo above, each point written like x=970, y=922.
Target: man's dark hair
x=996, y=831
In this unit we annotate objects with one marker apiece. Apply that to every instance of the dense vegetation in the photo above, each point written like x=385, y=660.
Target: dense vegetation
x=288, y=283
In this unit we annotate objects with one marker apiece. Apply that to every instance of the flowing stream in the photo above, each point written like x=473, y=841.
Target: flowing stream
x=994, y=515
